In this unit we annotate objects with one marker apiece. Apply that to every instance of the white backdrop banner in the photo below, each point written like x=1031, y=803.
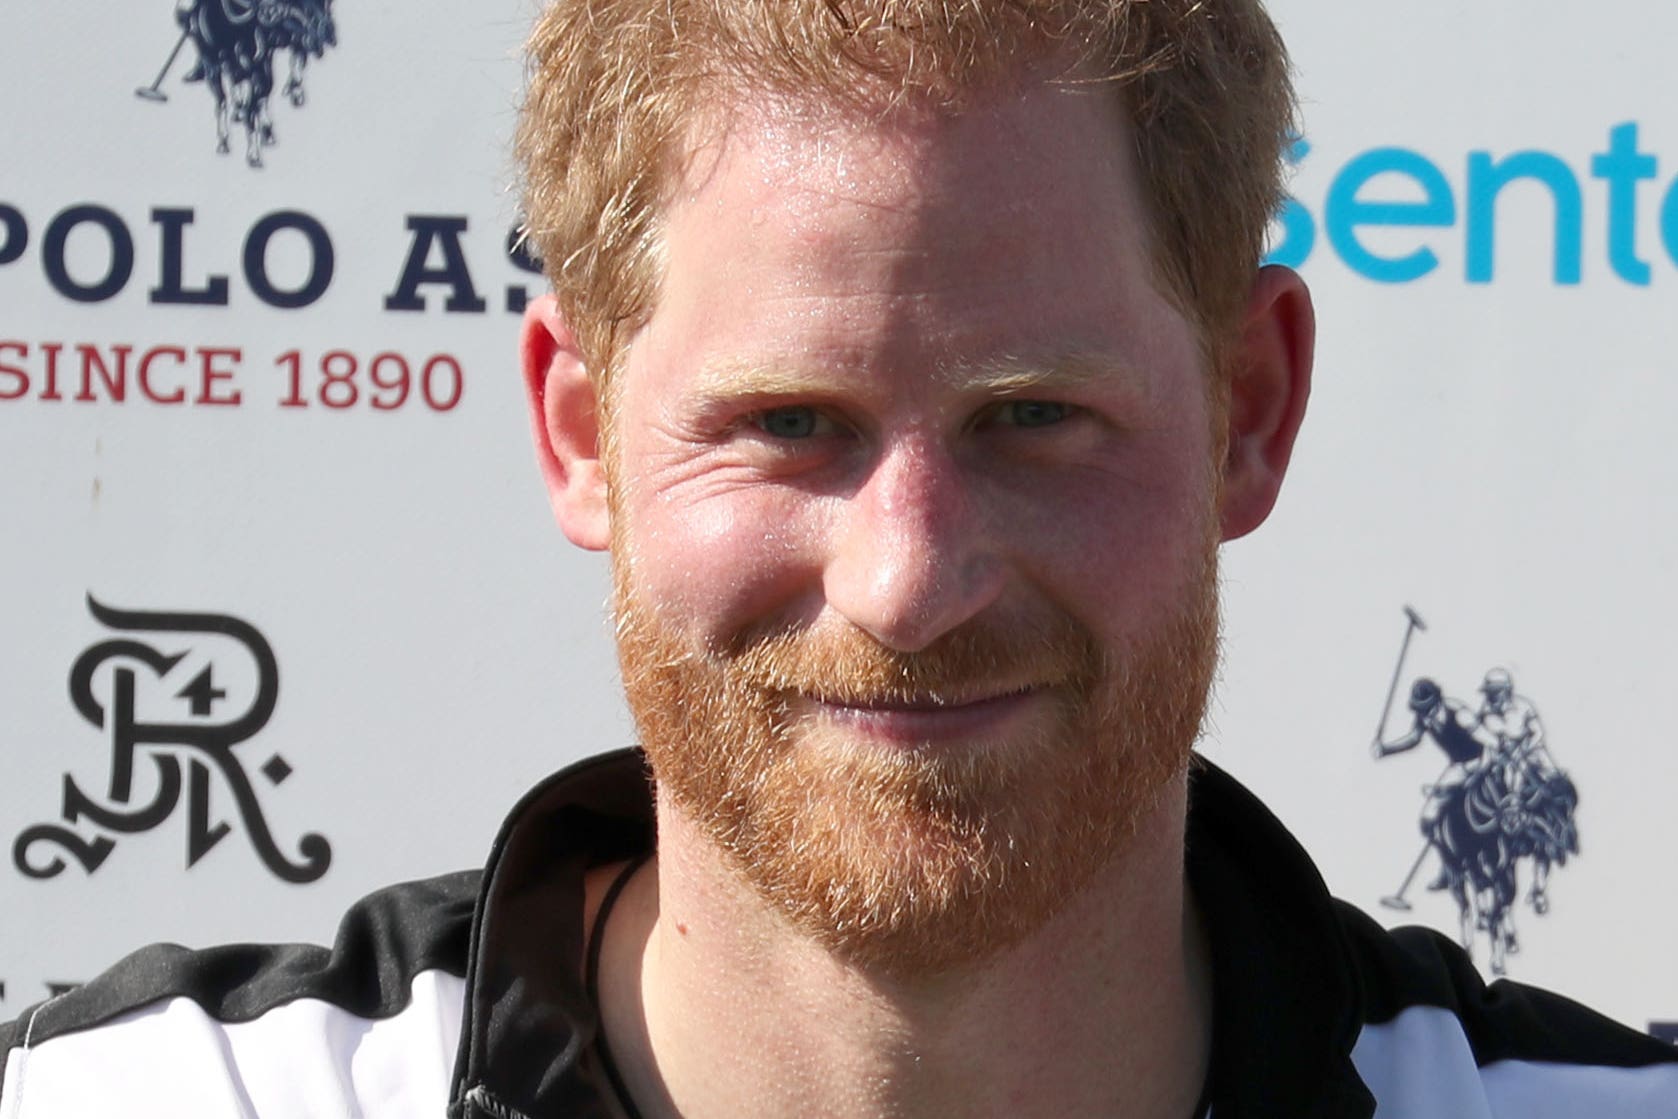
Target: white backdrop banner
x=285, y=617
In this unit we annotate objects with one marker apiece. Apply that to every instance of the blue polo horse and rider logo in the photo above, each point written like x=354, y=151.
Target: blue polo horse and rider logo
x=237, y=42
x=1500, y=811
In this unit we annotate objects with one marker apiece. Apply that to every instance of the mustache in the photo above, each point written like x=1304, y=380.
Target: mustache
x=844, y=665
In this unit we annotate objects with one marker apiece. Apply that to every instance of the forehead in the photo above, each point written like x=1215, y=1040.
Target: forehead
x=1027, y=193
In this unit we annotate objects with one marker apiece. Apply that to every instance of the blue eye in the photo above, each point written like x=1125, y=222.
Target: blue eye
x=789, y=423
x=1034, y=413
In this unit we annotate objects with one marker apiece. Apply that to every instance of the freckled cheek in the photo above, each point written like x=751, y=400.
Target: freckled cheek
x=730, y=559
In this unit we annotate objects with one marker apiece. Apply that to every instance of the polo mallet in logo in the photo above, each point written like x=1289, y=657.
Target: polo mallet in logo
x=154, y=91
x=1396, y=900
x=1415, y=623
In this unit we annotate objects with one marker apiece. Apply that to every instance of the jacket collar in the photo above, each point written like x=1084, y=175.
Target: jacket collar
x=1286, y=1002
x=1287, y=1006
x=528, y=1024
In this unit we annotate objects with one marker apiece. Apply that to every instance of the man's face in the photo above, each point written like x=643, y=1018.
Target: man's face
x=913, y=516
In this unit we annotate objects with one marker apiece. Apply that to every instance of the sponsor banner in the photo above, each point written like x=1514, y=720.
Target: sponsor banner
x=1444, y=651
x=286, y=618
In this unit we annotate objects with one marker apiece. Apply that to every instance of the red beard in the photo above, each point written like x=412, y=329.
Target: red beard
x=910, y=860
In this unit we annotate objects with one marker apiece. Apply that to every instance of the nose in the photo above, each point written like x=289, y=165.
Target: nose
x=912, y=556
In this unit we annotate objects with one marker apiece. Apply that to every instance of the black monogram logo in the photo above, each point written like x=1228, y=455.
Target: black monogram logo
x=139, y=676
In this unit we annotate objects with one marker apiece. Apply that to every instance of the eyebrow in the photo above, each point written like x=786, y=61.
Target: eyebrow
x=733, y=379
x=1070, y=368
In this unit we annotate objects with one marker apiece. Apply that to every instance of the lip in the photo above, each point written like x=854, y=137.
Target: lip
x=929, y=721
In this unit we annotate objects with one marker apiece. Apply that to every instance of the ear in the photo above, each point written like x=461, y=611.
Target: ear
x=1269, y=381
x=565, y=423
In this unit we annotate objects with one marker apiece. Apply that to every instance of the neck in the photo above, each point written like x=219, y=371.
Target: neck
x=1104, y=1010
